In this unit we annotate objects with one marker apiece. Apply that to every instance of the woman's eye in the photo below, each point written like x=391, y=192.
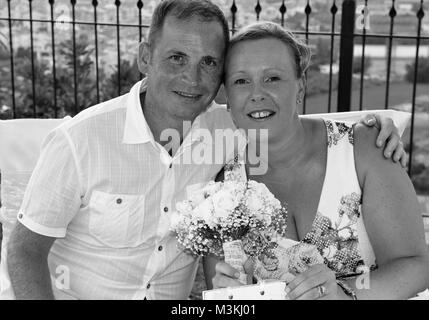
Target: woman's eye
x=240, y=81
x=177, y=59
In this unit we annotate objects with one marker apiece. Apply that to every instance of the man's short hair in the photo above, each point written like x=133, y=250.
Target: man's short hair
x=185, y=10
x=266, y=30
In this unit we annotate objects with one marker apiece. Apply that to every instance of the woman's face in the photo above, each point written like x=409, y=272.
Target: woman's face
x=261, y=85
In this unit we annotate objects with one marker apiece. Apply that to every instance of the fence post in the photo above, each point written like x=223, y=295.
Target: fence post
x=346, y=55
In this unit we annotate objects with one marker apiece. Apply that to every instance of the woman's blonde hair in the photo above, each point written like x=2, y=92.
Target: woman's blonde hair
x=263, y=30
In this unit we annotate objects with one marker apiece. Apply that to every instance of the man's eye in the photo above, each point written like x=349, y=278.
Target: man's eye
x=210, y=62
x=240, y=81
x=175, y=58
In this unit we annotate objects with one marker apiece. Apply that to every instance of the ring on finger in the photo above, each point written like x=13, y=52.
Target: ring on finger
x=322, y=290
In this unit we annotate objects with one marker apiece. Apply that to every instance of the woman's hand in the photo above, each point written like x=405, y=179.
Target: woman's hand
x=388, y=136
x=316, y=283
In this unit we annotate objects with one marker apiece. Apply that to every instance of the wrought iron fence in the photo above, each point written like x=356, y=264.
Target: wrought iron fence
x=347, y=35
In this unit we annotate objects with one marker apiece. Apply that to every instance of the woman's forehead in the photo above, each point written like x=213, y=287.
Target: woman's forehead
x=259, y=53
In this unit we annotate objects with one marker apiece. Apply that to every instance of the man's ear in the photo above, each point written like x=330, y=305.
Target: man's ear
x=144, y=57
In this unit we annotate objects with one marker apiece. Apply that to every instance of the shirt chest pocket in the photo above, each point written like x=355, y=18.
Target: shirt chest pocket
x=117, y=220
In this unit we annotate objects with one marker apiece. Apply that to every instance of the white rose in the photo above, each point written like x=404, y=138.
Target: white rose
x=204, y=210
x=235, y=188
x=212, y=187
x=224, y=203
x=175, y=220
x=184, y=206
x=254, y=203
x=197, y=197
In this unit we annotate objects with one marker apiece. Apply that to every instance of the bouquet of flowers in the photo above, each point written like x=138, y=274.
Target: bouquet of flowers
x=235, y=219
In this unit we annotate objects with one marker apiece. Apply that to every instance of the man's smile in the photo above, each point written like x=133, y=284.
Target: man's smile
x=188, y=95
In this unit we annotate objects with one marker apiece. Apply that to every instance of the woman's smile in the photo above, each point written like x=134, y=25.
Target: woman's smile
x=261, y=115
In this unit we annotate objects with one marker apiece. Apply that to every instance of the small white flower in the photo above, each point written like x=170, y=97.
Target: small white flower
x=362, y=269
x=224, y=203
x=345, y=233
x=330, y=251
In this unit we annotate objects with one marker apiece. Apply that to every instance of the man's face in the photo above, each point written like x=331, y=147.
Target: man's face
x=185, y=67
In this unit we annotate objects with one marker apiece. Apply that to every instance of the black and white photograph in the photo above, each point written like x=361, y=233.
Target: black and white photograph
x=214, y=150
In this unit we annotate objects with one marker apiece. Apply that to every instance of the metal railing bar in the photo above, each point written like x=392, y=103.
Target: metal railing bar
x=12, y=70
x=73, y=2
x=307, y=21
x=33, y=75
x=54, y=69
x=77, y=22
x=346, y=55
x=233, y=13
x=140, y=5
x=118, y=41
x=283, y=10
x=420, y=15
x=97, y=74
x=258, y=10
x=334, y=10
x=362, y=62
x=392, y=14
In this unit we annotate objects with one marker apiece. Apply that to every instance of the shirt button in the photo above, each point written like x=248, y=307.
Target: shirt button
x=148, y=286
x=165, y=209
x=20, y=216
x=160, y=248
x=119, y=201
x=171, y=165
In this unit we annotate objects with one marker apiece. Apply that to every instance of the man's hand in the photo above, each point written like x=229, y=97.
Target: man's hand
x=388, y=136
x=226, y=276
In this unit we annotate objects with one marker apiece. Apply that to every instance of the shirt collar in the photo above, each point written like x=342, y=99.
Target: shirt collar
x=136, y=129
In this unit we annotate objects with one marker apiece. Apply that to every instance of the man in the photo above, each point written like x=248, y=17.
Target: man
x=94, y=223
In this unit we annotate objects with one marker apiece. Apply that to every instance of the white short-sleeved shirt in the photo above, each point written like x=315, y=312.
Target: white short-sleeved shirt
x=106, y=189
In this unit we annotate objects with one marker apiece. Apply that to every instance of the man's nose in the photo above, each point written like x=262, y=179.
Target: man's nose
x=191, y=75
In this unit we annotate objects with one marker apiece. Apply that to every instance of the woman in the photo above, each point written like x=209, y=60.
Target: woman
x=359, y=209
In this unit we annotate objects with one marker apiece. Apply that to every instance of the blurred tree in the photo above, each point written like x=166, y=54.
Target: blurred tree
x=422, y=72
x=322, y=54
x=130, y=74
x=85, y=76
x=357, y=64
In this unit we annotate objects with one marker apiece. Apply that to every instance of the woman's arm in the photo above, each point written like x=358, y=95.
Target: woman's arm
x=393, y=221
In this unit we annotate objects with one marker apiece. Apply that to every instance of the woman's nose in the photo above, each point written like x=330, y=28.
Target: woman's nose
x=257, y=98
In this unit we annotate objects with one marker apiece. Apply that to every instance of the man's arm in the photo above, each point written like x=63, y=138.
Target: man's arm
x=28, y=264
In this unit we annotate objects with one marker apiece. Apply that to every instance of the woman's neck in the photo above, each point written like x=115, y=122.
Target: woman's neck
x=289, y=149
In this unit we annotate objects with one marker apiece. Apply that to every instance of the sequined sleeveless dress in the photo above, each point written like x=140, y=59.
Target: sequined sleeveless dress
x=338, y=230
